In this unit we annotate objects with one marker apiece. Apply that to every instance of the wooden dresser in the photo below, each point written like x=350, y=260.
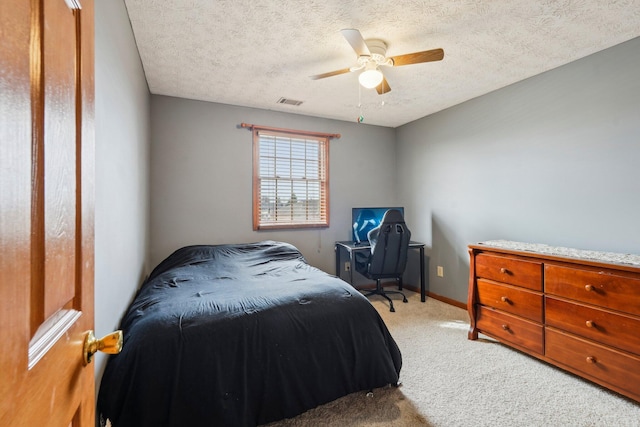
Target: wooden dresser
x=578, y=310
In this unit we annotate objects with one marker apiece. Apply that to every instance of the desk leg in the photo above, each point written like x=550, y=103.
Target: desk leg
x=352, y=264
x=422, y=287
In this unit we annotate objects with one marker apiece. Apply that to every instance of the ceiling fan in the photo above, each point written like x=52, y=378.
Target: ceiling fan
x=372, y=55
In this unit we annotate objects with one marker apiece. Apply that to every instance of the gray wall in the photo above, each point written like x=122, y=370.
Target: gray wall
x=554, y=159
x=122, y=171
x=201, y=176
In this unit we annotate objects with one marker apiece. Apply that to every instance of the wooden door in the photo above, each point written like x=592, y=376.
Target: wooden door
x=46, y=212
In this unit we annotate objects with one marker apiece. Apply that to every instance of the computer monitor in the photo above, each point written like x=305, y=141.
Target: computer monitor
x=365, y=219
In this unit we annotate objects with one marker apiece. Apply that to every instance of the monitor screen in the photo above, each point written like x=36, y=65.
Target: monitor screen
x=365, y=219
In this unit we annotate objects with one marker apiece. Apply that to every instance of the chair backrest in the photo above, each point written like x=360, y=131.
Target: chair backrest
x=389, y=246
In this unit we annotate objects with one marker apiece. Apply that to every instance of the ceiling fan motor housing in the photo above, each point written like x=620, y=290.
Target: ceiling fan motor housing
x=378, y=50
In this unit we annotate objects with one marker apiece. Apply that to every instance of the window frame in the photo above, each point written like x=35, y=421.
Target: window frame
x=323, y=173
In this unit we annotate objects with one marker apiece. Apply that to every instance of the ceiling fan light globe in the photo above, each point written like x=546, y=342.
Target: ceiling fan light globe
x=370, y=78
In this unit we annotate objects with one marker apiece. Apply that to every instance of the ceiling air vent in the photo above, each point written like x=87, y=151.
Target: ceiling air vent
x=289, y=101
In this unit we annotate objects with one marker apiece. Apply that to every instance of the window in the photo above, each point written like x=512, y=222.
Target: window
x=290, y=179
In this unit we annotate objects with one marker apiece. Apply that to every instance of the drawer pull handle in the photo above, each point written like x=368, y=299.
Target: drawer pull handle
x=588, y=288
x=591, y=359
x=504, y=271
x=505, y=299
x=590, y=323
x=505, y=327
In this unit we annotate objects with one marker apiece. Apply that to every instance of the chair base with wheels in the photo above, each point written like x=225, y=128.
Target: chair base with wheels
x=379, y=290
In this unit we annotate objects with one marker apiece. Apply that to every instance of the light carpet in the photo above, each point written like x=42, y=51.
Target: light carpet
x=448, y=380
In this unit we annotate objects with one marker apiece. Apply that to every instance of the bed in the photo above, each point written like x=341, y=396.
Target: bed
x=242, y=335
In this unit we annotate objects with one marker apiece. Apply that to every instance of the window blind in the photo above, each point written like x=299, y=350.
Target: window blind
x=290, y=180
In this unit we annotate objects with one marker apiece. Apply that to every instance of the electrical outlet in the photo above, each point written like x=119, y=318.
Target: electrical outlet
x=440, y=271
x=347, y=266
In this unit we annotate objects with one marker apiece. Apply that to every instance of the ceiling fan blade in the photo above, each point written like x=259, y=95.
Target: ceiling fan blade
x=383, y=87
x=330, y=74
x=418, y=57
x=356, y=41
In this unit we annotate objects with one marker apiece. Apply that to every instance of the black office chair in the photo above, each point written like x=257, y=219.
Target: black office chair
x=388, y=259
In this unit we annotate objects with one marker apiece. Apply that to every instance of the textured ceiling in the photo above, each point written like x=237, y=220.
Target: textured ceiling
x=254, y=52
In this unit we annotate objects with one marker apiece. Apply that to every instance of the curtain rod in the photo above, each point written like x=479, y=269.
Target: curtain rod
x=299, y=132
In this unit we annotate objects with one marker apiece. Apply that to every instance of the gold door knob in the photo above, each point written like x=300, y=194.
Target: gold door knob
x=110, y=344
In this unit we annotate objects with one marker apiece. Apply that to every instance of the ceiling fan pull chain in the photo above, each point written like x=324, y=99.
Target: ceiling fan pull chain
x=360, y=117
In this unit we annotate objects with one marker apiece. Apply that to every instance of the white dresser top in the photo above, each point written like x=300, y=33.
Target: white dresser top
x=610, y=257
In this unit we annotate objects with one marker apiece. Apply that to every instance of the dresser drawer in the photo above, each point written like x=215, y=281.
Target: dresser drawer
x=617, y=330
x=511, y=299
x=610, y=366
x=512, y=329
x=597, y=287
x=527, y=274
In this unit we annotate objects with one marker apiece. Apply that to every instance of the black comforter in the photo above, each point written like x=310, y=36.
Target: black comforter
x=239, y=335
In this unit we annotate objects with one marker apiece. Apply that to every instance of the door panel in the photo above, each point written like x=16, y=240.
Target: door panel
x=59, y=174
x=46, y=220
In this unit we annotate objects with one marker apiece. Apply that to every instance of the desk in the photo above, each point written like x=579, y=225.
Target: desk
x=352, y=248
